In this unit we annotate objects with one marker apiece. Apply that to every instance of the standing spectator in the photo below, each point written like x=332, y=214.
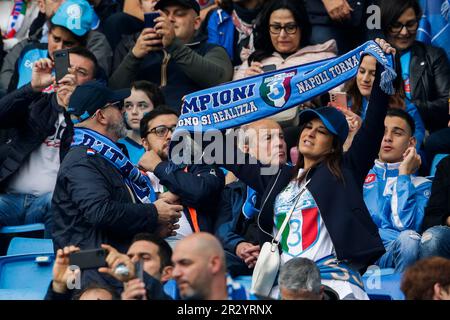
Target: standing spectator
x=436, y=224
x=239, y=205
x=200, y=270
x=395, y=197
x=330, y=224
x=425, y=69
x=341, y=20
x=171, y=55
x=100, y=197
x=281, y=40
x=299, y=279
x=176, y=182
x=38, y=137
x=427, y=279
x=231, y=26
x=145, y=96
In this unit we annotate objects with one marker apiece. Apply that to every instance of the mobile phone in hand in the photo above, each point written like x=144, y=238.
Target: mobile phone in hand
x=149, y=19
x=339, y=100
x=62, y=63
x=269, y=67
x=89, y=259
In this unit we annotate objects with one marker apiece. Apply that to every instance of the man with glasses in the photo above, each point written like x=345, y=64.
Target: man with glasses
x=196, y=187
x=425, y=69
x=100, y=196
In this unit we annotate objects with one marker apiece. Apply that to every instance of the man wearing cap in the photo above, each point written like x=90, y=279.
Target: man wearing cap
x=100, y=197
x=69, y=26
x=172, y=55
x=37, y=138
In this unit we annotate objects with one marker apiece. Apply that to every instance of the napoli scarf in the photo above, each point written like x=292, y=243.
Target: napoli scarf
x=97, y=143
x=239, y=102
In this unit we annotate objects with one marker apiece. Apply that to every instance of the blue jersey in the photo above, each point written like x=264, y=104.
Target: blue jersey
x=135, y=150
x=396, y=203
x=29, y=55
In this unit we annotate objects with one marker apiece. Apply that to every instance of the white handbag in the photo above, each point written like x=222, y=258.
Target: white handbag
x=268, y=263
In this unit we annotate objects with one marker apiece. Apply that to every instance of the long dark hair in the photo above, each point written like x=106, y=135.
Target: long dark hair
x=263, y=44
x=332, y=160
x=351, y=87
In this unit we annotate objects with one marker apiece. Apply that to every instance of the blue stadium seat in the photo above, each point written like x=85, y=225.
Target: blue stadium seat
x=27, y=272
x=20, y=245
x=435, y=162
x=23, y=228
x=383, y=284
x=171, y=289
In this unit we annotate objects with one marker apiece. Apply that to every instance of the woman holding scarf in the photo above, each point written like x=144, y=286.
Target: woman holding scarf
x=330, y=223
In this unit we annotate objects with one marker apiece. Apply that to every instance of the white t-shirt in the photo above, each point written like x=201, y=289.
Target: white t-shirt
x=37, y=175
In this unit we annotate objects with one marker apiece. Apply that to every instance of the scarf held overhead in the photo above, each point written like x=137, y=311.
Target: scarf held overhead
x=239, y=102
x=97, y=143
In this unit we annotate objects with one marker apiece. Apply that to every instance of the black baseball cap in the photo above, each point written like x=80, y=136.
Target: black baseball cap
x=333, y=119
x=91, y=96
x=191, y=4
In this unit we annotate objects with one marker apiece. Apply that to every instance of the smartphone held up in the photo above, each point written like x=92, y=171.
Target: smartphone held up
x=62, y=63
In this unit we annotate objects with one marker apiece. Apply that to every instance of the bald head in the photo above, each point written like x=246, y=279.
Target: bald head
x=264, y=140
x=199, y=267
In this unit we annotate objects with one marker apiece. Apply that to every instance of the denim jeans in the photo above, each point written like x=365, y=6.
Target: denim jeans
x=18, y=209
x=401, y=252
x=435, y=242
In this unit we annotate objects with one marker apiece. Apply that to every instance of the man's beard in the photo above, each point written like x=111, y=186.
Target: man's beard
x=118, y=129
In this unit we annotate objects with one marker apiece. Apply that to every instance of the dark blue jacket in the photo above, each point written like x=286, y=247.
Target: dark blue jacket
x=198, y=188
x=354, y=235
x=30, y=118
x=232, y=227
x=92, y=205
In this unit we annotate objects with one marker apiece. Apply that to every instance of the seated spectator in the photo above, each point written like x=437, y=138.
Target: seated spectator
x=145, y=96
x=62, y=32
x=231, y=26
x=239, y=205
x=427, y=279
x=175, y=183
x=70, y=282
x=100, y=197
x=395, y=197
x=436, y=223
x=439, y=141
x=299, y=279
x=359, y=90
x=341, y=20
x=39, y=134
x=425, y=68
x=200, y=270
x=281, y=40
x=172, y=55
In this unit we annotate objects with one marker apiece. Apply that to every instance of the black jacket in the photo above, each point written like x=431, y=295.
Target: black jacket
x=92, y=205
x=354, y=235
x=430, y=83
x=30, y=118
x=438, y=207
x=198, y=188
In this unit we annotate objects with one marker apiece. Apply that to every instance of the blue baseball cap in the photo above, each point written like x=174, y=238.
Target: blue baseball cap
x=75, y=15
x=333, y=119
x=91, y=96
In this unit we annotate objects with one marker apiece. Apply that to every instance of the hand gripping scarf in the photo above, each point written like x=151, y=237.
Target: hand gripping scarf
x=97, y=143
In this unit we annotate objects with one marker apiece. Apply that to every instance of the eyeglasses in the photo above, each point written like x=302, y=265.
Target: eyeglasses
x=397, y=27
x=289, y=28
x=161, y=131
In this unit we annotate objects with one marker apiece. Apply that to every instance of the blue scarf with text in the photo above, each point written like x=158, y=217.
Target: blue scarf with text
x=243, y=101
x=97, y=143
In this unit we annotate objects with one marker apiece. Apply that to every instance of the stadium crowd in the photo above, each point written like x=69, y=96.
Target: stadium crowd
x=85, y=150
